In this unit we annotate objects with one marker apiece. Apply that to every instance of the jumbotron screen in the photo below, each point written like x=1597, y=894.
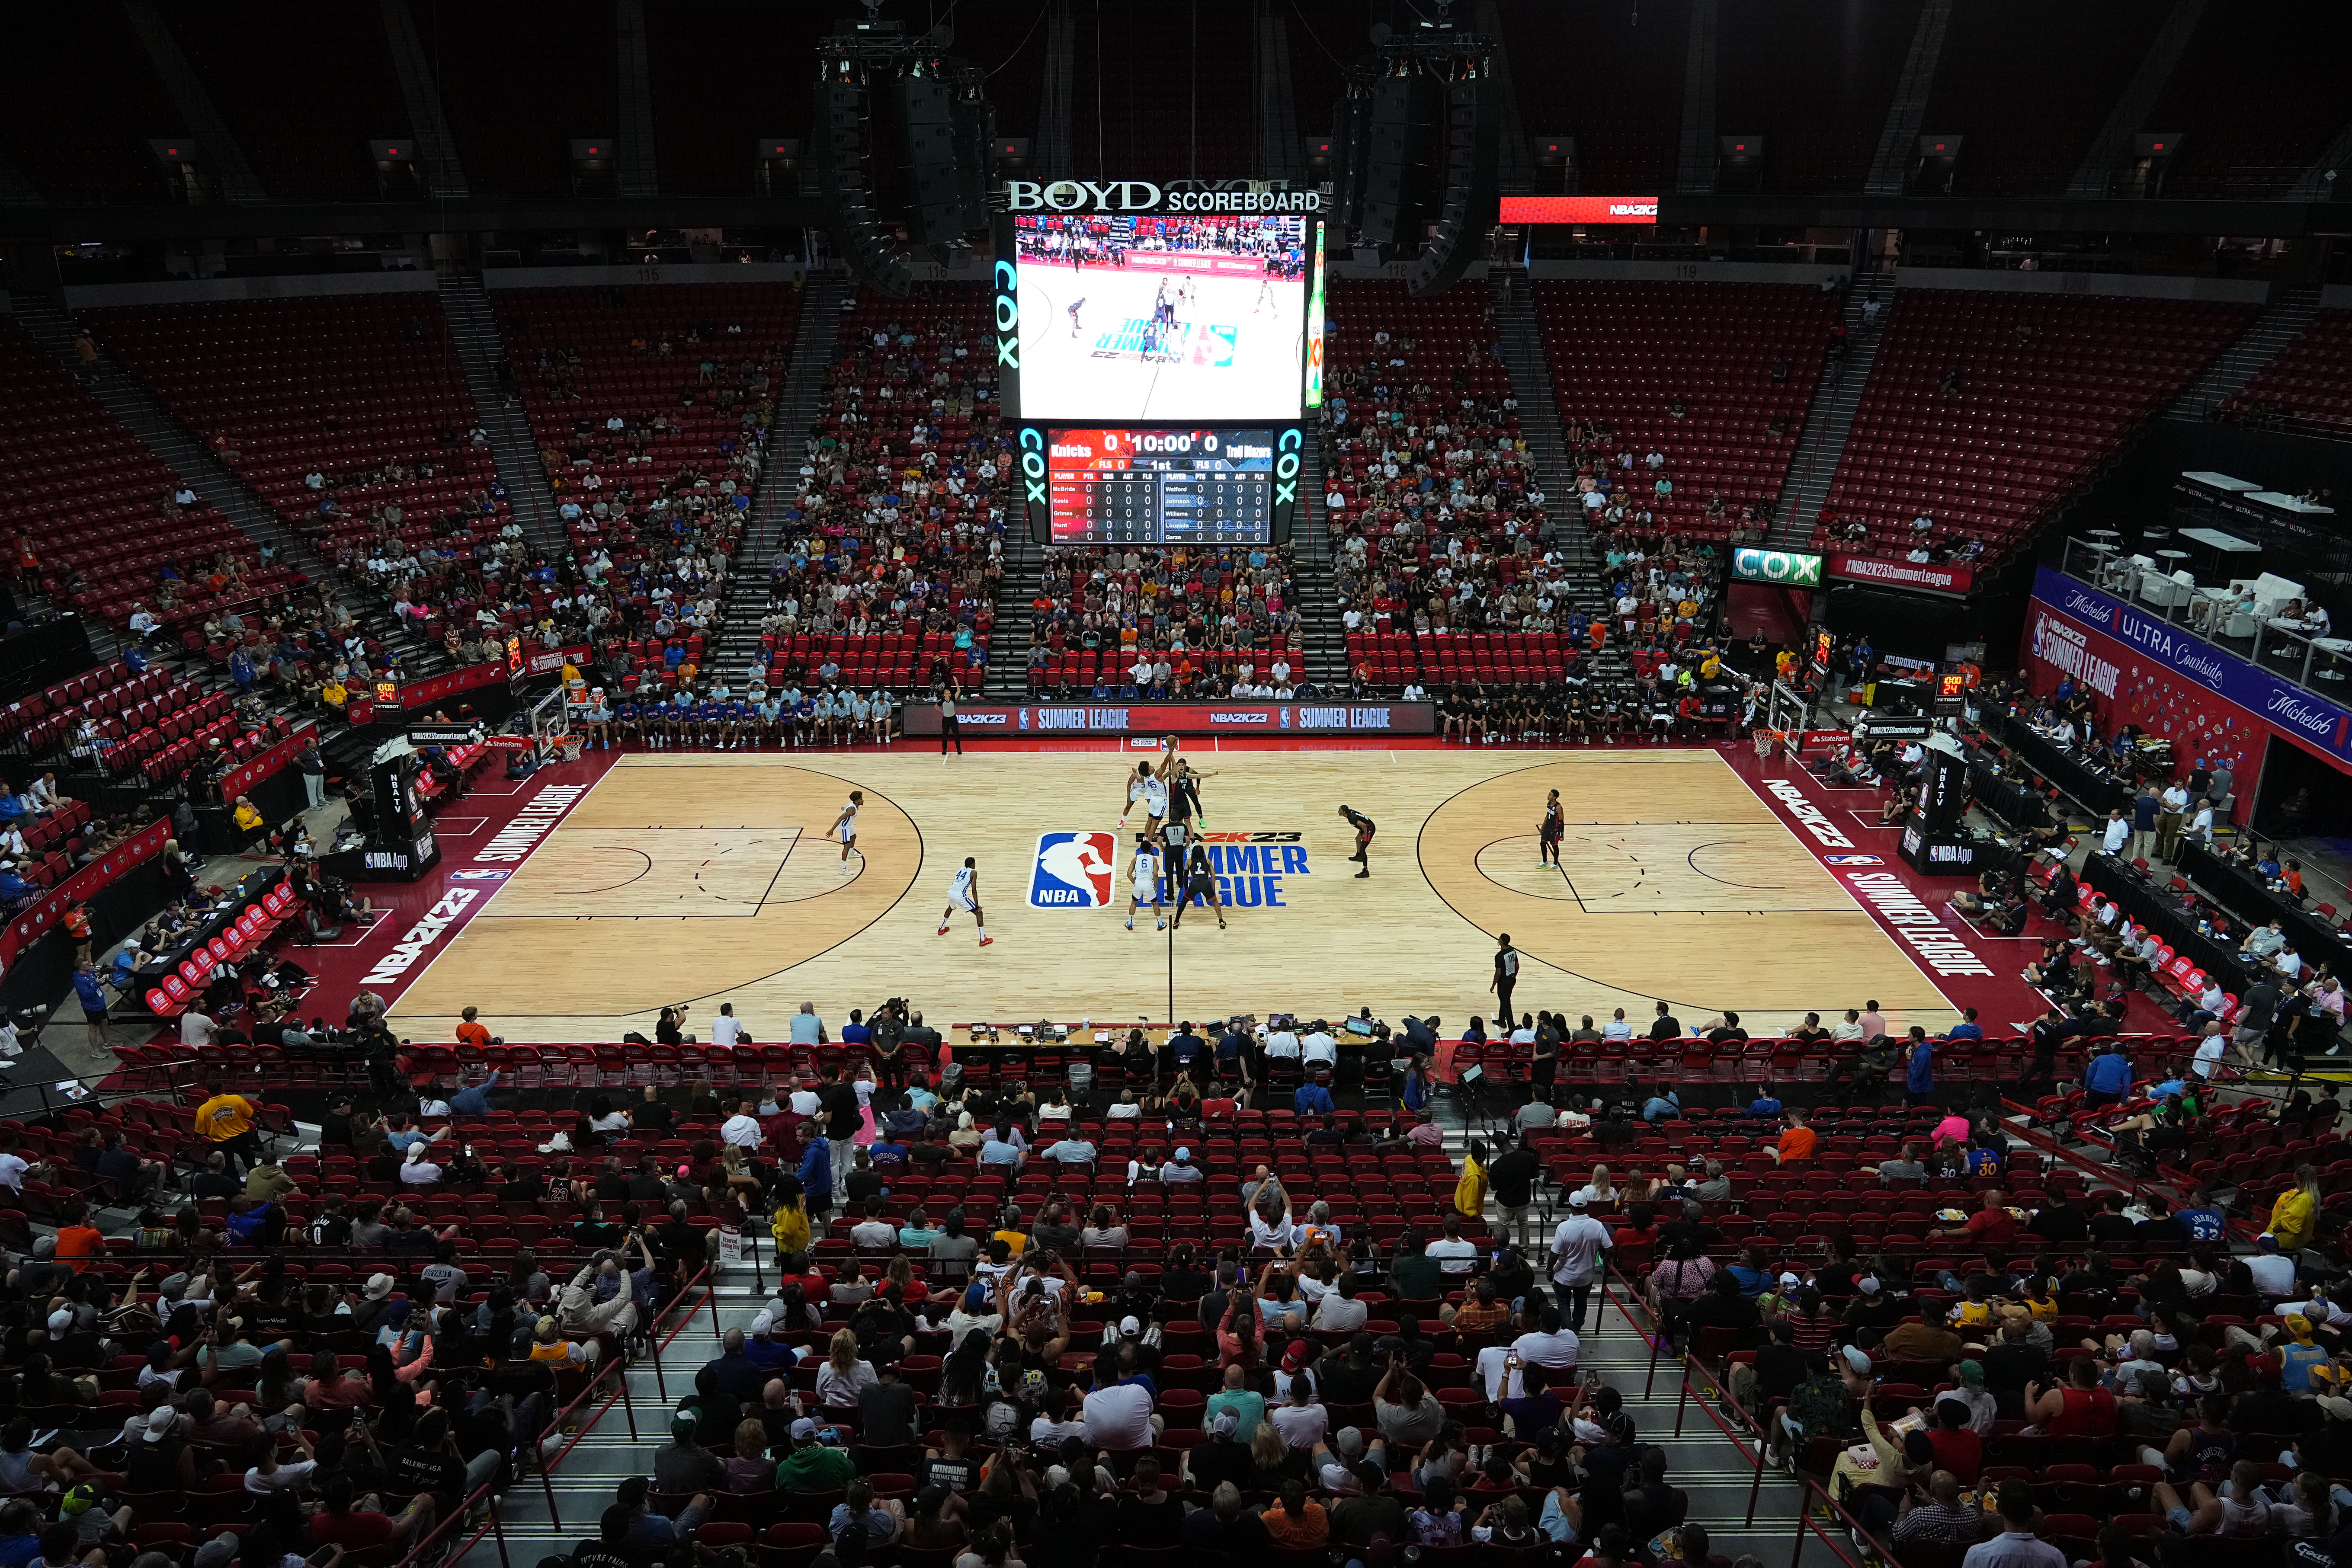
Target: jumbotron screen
x=1161, y=319
x=1160, y=486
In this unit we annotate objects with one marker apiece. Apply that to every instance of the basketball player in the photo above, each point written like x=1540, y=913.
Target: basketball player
x=1151, y=791
x=1365, y=828
x=1265, y=290
x=1143, y=881
x=1185, y=795
x=1074, y=304
x=1200, y=881
x=964, y=893
x=844, y=826
x=1555, y=822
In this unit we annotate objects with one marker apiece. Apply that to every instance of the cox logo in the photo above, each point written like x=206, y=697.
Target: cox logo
x=1794, y=568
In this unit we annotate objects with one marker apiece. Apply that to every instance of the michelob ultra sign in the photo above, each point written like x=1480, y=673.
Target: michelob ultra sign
x=1791, y=568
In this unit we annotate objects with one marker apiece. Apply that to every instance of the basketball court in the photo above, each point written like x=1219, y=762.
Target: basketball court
x=705, y=878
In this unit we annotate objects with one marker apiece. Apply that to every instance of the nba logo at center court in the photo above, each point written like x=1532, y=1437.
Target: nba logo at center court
x=1073, y=871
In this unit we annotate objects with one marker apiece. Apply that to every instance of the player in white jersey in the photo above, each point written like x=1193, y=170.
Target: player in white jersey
x=964, y=893
x=844, y=826
x=1149, y=788
x=1143, y=883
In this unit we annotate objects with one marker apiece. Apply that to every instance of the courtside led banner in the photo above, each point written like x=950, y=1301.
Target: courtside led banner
x=975, y=720
x=1789, y=568
x=1930, y=577
x=1580, y=209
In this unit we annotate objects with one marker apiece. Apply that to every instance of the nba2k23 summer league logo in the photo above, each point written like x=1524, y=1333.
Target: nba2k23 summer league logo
x=1081, y=871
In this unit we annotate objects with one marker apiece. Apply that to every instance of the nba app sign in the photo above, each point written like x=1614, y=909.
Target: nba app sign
x=1074, y=871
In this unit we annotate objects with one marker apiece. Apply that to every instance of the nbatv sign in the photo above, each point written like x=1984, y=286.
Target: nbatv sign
x=1145, y=197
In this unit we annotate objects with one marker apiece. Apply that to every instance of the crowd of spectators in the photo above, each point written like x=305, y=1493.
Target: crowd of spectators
x=1134, y=621
x=1431, y=501
x=897, y=519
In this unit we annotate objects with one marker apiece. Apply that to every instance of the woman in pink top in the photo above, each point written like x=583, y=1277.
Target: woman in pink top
x=1955, y=1127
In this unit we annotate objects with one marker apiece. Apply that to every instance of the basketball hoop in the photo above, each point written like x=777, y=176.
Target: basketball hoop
x=1766, y=739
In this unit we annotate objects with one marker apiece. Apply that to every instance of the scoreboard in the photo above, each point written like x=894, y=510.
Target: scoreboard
x=1209, y=486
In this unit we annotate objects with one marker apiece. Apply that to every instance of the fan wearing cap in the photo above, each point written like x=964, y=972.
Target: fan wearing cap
x=548, y=1344
x=1301, y=1419
x=817, y=1461
x=1225, y=1458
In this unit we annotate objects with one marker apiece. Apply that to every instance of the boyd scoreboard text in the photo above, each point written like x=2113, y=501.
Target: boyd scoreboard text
x=1161, y=487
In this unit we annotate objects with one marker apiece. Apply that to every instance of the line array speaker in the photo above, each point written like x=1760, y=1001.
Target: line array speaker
x=838, y=156
x=1397, y=171
x=1472, y=203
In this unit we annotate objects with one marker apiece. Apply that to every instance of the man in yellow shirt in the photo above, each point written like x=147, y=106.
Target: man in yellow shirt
x=248, y=814
x=229, y=1121
x=334, y=694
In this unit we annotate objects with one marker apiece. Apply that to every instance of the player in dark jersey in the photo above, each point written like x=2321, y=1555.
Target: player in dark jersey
x=1365, y=828
x=1555, y=823
x=1196, y=879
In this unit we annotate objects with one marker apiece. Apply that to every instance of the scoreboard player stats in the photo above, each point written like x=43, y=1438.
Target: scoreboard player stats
x=1161, y=487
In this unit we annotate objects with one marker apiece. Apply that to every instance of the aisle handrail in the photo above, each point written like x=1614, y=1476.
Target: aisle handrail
x=1807, y=1524
x=1721, y=1390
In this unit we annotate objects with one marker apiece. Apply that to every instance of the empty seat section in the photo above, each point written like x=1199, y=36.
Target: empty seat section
x=1739, y=359
x=94, y=504
x=364, y=394
x=2308, y=386
x=1985, y=410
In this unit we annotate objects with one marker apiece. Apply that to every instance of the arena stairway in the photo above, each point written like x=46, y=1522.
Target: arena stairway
x=1322, y=640
x=1829, y=418
x=797, y=402
x=2246, y=357
x=183, y=451
x=474, y=333
x=1523, y=351
x=1006, y=678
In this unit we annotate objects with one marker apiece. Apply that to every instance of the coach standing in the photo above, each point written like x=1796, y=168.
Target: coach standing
x=1507, y=975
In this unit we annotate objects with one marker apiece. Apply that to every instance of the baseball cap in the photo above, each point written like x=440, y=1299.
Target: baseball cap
x=61, y=1320
x=2298, y=1324
x=1858, y=1358
x=1224, y=1424
x=78, y=1500
x=159, y=1421
x=1868, y=1284
x=804, y=1429
x=1790, y=1281
x=1350, y=1444
x=683, y=1424
x=2336, y=1404
x=763, y=1322
x=1128, y=1325
x=1184, y=1153
x=1294, y=1356
x=1576, y=1200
